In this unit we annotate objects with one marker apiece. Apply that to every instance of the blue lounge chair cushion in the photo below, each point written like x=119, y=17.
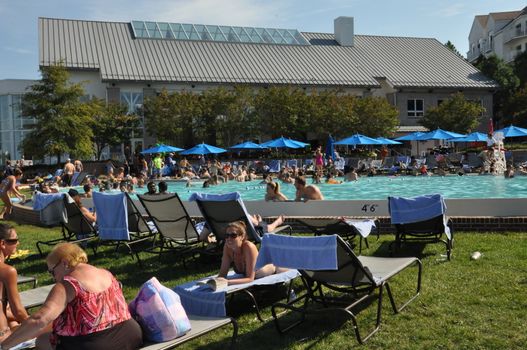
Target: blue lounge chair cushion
x=112, y=216
x=290, y=252
x=421, y=208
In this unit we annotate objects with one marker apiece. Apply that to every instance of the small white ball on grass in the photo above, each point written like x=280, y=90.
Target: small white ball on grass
x=475, y=256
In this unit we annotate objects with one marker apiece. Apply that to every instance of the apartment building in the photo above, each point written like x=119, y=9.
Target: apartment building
x=503, y=34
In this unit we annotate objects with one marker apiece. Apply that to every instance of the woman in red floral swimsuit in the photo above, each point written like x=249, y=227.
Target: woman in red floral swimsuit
x=86, y=308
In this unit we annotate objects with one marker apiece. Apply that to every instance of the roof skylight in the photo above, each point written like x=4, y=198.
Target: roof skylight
x=182, y=31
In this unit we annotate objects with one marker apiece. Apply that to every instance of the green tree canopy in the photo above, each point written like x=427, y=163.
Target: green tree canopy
x=279, y=109
x=228, y=116
x=495, y=68
x=516, y=109
x=241, y=122
x=454, y=114
x=375, y=116
x=172, y=117
x=453, y=48
x=111, y=124
x=520, y=68
x=62, y=121
x=215, y=108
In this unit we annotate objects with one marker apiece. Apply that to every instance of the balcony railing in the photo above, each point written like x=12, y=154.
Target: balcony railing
x=509, y=57
x=514, y=33
x=471, y=56
x=483, y=49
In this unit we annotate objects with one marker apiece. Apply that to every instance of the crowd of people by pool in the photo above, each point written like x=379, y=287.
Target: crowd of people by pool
x=153, y=172
x=77, y=281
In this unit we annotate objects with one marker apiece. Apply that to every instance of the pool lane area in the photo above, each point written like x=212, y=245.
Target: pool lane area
x=378, y=187
x=475, y=203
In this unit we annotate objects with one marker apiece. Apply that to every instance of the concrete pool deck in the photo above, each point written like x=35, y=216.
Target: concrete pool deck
x=492, y=214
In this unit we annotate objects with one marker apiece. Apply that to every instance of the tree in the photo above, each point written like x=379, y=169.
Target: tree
x=62, y=121
x=495, y=68
x=111, y=125
x=173, y=117
x=215, y=107
x=516, y=109
x=452, y=48
x=520, y=68
x=241, y=122
x=376, y=116
x=280, y=111
x=329, y=113
x=454, y=114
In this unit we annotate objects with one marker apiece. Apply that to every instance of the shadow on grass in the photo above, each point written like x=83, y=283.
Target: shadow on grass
x=410, y=249
x=320, y=324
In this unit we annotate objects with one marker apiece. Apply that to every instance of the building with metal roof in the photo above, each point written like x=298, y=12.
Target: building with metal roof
x=126, y=62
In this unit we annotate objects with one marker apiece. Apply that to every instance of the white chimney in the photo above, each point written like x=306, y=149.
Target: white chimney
x=344, y=30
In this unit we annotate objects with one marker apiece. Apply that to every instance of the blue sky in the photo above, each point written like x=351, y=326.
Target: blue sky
x=444, y=20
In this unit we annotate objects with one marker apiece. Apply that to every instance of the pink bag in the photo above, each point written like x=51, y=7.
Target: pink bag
x=159, y=311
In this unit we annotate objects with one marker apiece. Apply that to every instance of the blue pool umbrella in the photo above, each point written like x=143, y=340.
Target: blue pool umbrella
x=410, y=137
x=203, y=148
x=513, y=131
x=303, y=144
x=330, y=148
x=385, y=141
x=474, y=137
x=358, y=139
x=247, y=145
x=438, y=134
x=282, y=142
x=162, y=149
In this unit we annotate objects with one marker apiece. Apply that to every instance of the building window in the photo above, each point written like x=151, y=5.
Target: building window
x=439, y=102
x=134, y=100
x=415, y=108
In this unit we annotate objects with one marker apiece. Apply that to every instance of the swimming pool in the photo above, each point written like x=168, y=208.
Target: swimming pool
x=379, y=187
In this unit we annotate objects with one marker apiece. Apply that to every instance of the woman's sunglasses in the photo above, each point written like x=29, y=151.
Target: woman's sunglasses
x=231, y=235
x=11, y=240
x=52, y=270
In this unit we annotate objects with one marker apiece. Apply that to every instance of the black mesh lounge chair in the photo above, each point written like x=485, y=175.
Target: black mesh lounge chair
x=220, y=210
x=175, y=228
x=134, y=232
x=339, y=227
x=424, y=220
x=355, y=282
x=77, y=230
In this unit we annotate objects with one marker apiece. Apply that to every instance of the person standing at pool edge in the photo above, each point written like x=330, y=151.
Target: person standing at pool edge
x=309, y=192
x=8, y=186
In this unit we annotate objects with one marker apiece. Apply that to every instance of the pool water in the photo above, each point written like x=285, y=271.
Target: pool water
x=379, y=187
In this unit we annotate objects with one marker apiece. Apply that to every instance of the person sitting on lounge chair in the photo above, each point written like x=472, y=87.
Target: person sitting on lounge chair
x=85, y=309
x=257, y=221
x=75, y=195
x=11, y=317
x=240, y=253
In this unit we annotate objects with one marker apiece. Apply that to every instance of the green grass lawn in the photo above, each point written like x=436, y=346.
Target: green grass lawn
x=464, y=304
